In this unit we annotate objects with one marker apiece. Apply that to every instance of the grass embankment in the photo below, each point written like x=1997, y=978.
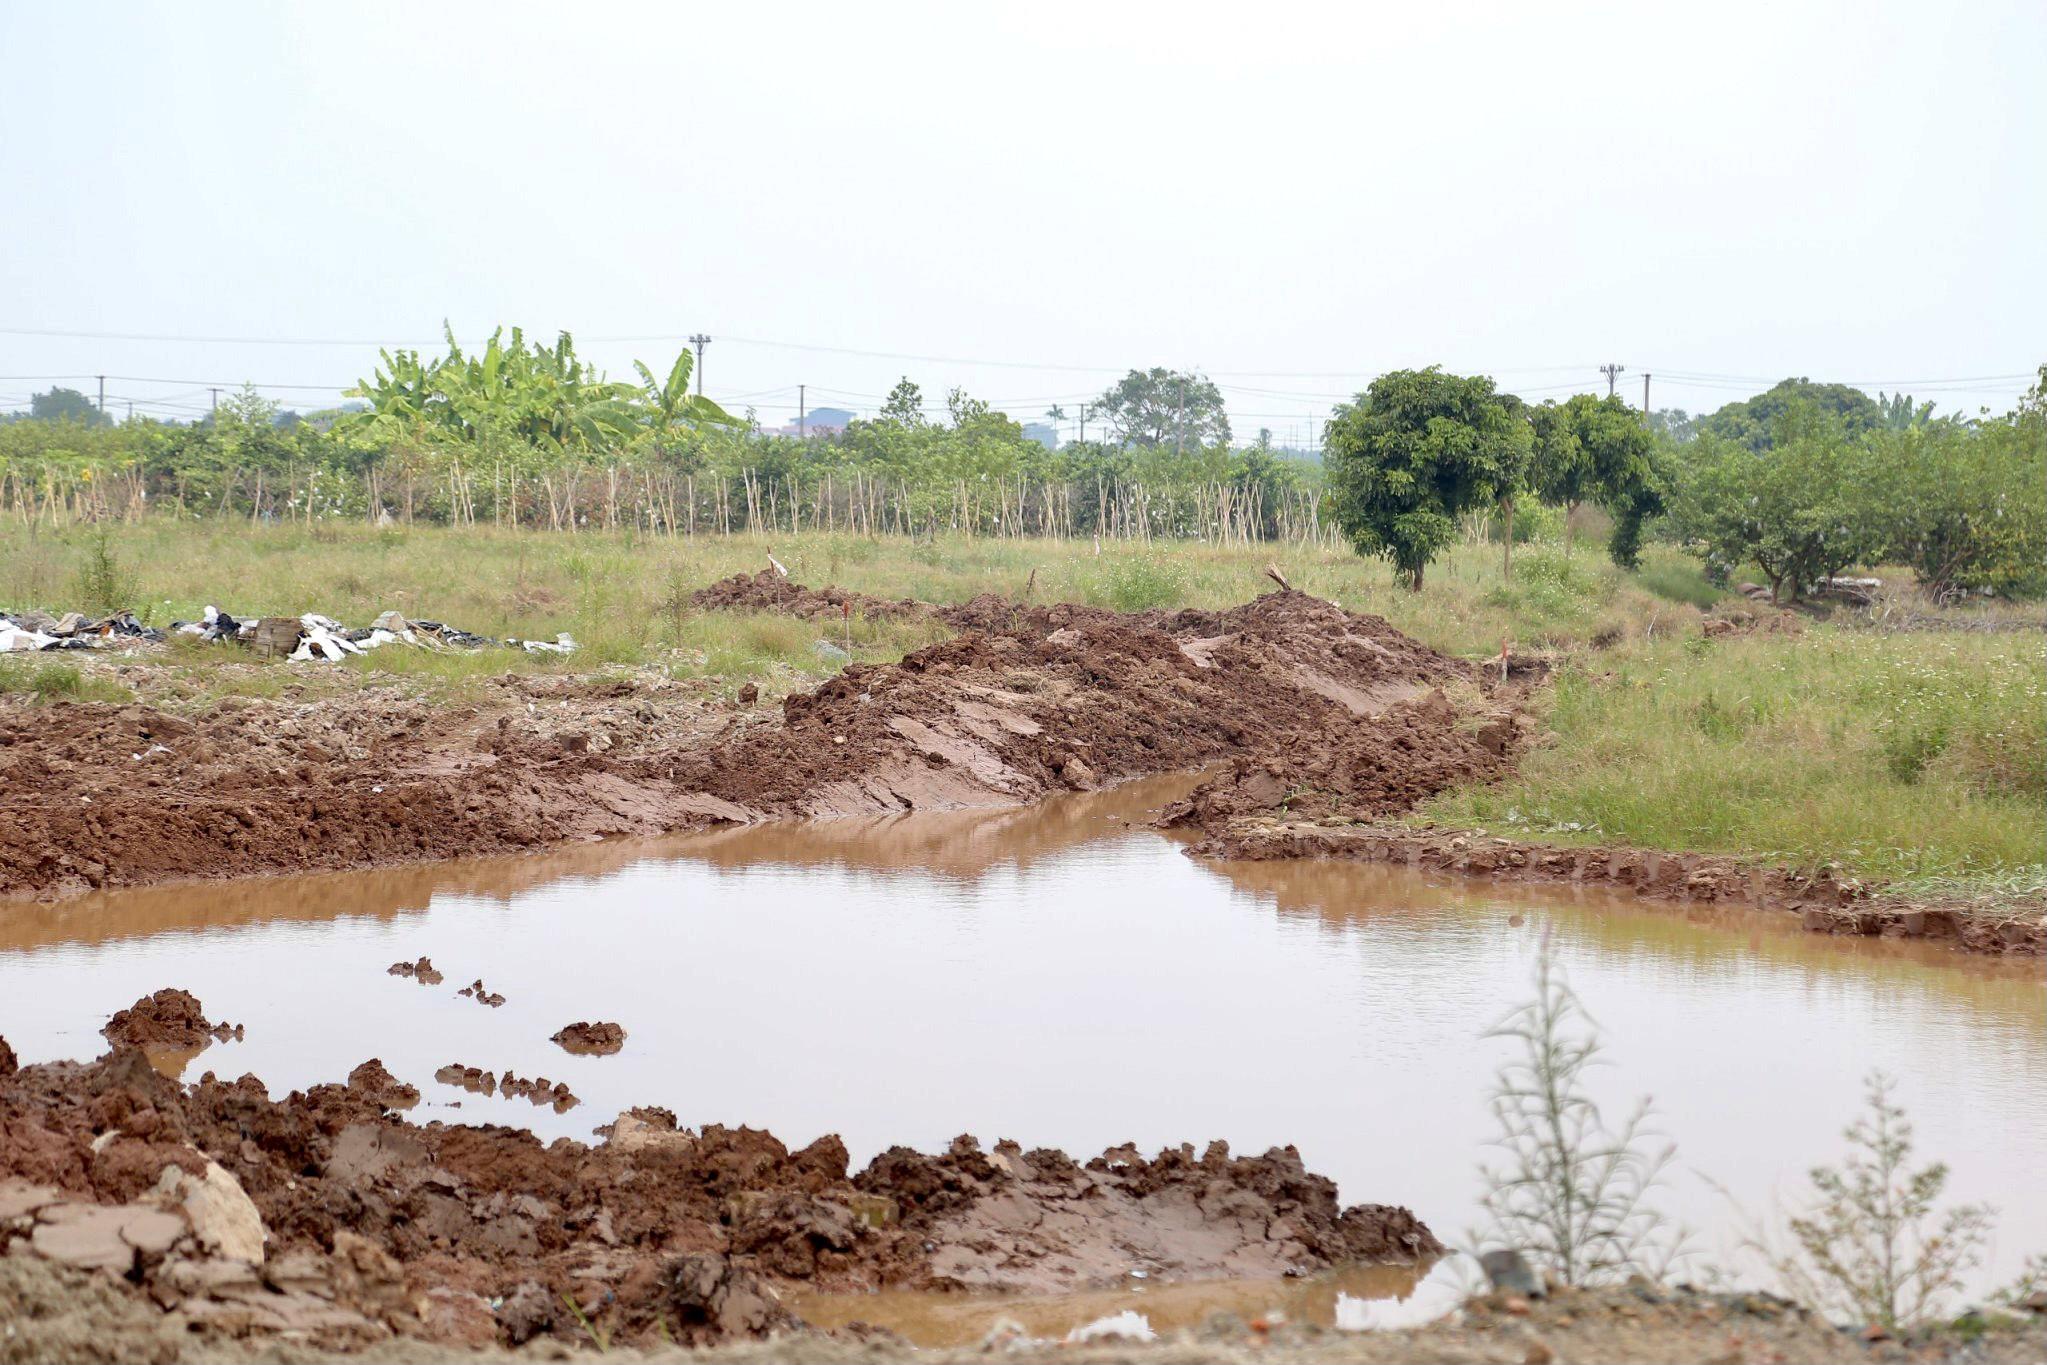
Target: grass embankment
x=1916, y=755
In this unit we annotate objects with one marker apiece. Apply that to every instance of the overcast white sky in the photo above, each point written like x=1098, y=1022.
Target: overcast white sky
x=1289, y=198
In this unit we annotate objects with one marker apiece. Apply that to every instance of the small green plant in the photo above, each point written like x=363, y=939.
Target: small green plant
x=1875, y=1247
x=1575, y=1196
x=48, y=682
x=597, y=1334
x=1139, y=583
x=104, y=586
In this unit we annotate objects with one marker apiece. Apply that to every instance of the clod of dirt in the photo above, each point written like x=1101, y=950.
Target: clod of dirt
x=477, y=991
x=171, y=1020
x=373, y=1082
x=474, y=1079
x=539, y=1090
x=9, y=1063
x=421, y=971
x=586, y=1039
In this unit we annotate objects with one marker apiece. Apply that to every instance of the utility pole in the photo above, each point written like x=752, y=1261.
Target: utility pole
x=103, y=395
x=216, y=399
x=802, y=411
x=1645, y=395
x=1180, y=419
x=699, y=340
x=1613, y=374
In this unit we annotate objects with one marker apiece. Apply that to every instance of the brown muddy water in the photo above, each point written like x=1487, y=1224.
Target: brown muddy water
x=1067, y=977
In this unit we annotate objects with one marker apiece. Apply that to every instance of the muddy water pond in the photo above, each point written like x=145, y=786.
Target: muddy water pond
x=1068, y=977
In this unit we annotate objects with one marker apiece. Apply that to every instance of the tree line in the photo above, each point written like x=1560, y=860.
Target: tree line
x=1801, y=481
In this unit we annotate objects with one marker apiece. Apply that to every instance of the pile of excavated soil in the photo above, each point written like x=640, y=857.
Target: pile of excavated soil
x=770, y=591
x=1025, y=701
x=95, y=795
x=1051, y=698
x=325, y=1214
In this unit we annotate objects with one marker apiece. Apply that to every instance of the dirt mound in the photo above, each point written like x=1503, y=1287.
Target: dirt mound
x=594, y=1040
x=170, y=1020
x=1025, y=701
x=474, y=1235
x=1072, y=697
x=770, y=591
x=1414, y=751
x=95, y=795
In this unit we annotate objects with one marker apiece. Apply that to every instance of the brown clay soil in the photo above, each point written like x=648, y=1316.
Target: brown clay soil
x=325, y=1215
x=1026, y=701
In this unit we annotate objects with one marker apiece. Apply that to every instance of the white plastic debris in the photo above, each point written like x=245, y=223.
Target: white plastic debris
x=325, y=637
x=561, y=644
x=13, y=637
x=1127, y=1325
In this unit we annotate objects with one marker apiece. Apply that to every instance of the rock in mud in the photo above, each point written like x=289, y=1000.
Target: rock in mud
x=587, y=1039
x=170, y=1020
x=222, y=1215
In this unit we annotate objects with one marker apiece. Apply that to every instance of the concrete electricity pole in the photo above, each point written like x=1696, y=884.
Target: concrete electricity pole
x=700, y=341
x=1613, y=374
x=1645, y=395
x=802, y=411
x=103, y=395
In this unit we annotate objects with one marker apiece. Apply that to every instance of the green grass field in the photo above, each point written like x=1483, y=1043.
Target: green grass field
x=1912, y=755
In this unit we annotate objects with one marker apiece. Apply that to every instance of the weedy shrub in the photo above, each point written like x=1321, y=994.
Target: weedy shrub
x=1575, y=1196
x=1875, y=1247
x=104, y=584
x=1138, y=583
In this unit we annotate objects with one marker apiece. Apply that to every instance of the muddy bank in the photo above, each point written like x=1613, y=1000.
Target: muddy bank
x=1023, y=702
x=1827, y=901
x=98, y=795
x=326, y=1216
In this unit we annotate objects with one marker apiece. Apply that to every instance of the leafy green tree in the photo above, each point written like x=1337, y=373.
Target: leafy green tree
x=1753, y=421
x=671, y=407
x=905, y=404
x=1802, y=509
x=1412, y=454
x=1967, y=508
x=1897, y=412
x=66, y=405
x=1161, y=407
x=1598, y=449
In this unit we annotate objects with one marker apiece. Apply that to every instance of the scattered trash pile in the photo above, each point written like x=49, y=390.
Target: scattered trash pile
x=38, y=630
x=301, y=639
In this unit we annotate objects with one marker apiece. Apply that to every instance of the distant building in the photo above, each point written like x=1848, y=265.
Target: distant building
x=819, y=422
x=1044, y=434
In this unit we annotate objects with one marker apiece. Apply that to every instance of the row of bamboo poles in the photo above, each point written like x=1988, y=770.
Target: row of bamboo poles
x=662, y=502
